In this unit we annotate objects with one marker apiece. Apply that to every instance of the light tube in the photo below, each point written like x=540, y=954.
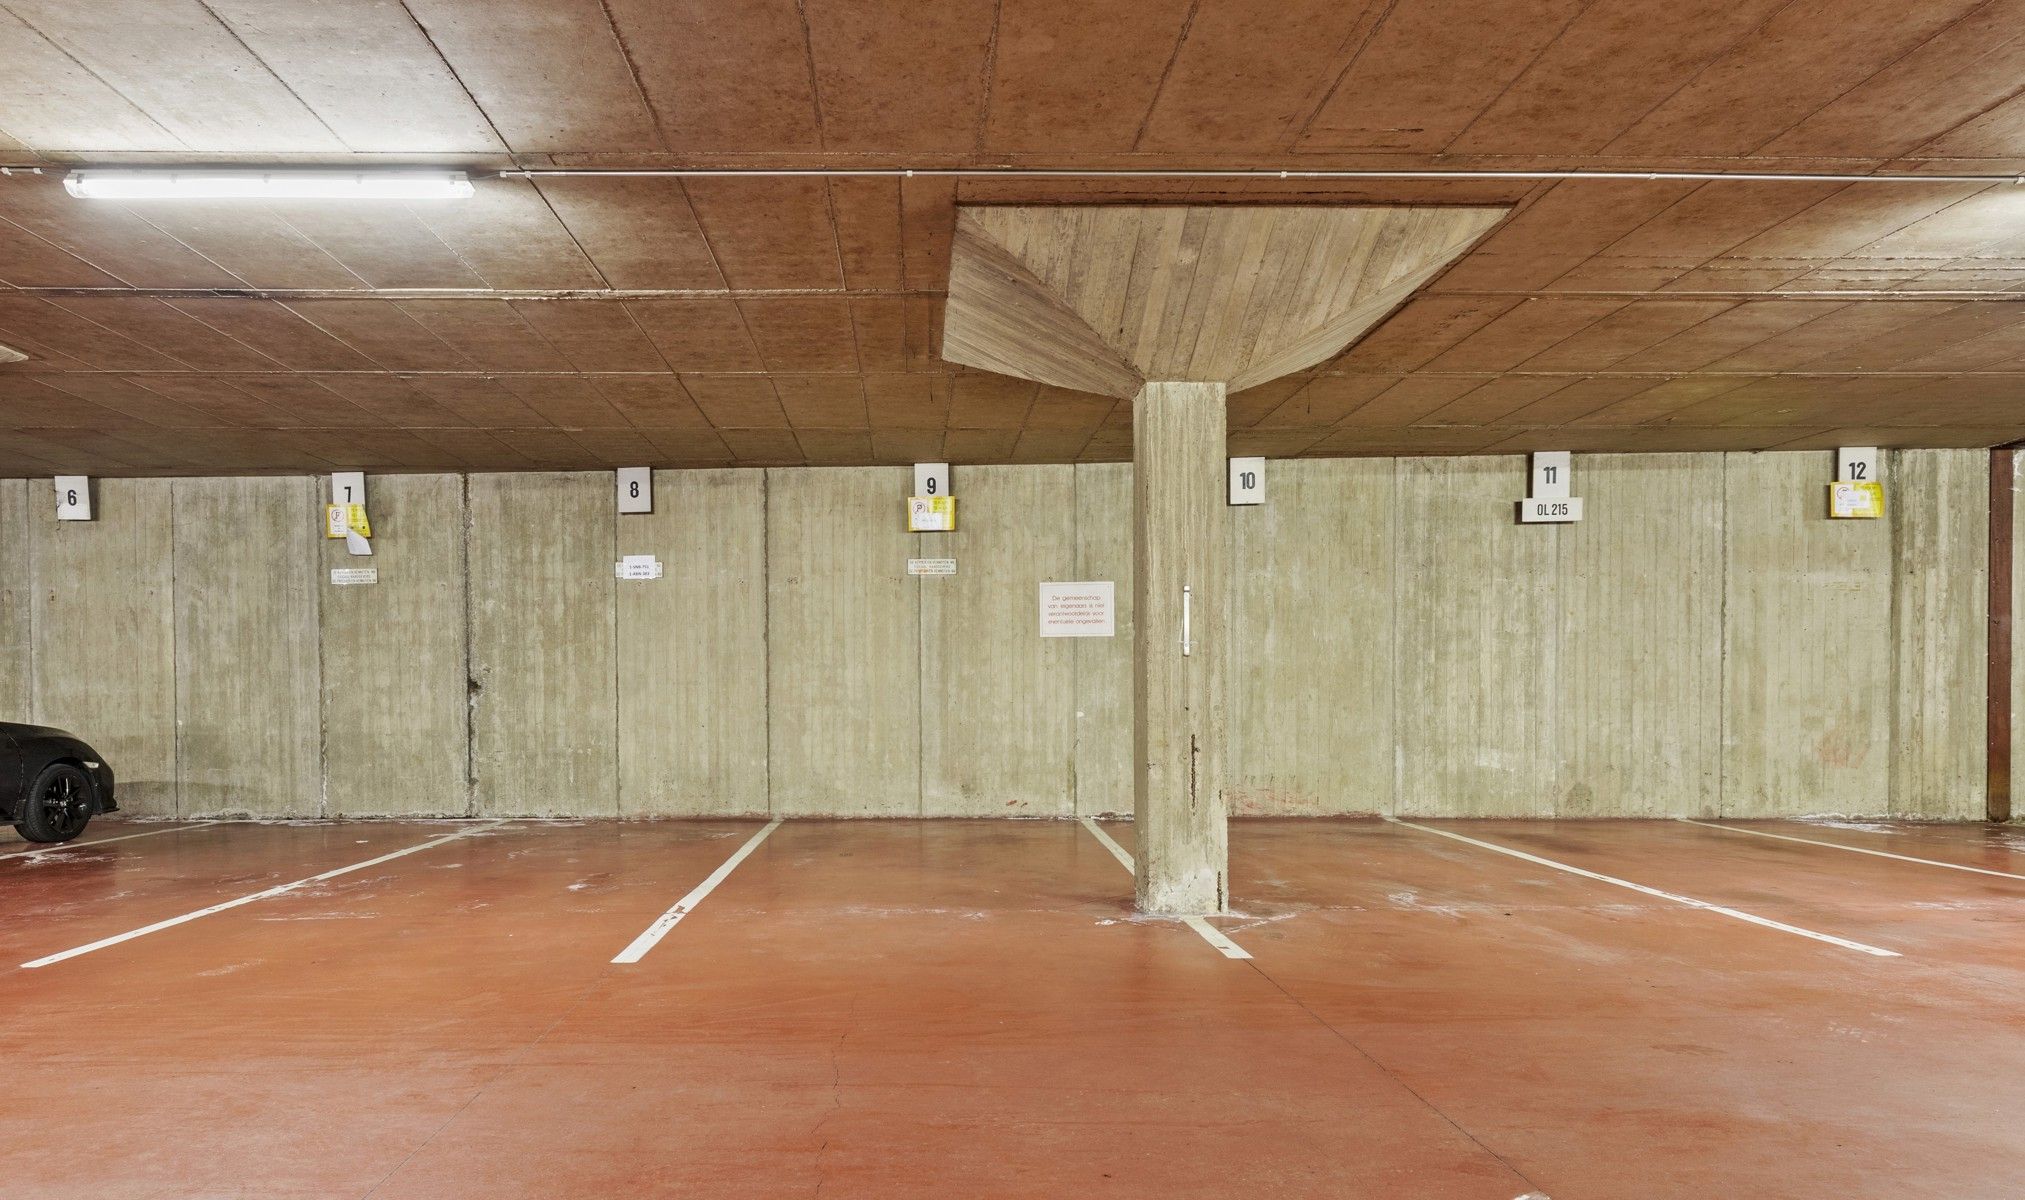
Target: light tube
x=224, y=183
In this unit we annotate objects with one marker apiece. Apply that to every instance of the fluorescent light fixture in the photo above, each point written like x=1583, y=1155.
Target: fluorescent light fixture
x=9, y=354
x=224, y=183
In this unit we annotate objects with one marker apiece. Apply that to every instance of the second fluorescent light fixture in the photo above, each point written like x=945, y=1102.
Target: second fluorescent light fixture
x=205, y=183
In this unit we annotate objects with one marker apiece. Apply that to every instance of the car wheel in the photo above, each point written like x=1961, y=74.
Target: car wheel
x=57, y=805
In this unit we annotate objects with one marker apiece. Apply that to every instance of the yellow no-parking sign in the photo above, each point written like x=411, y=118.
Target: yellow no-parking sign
x=340, y=518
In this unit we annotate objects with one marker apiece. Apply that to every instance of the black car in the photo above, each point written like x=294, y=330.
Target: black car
x=51, y=782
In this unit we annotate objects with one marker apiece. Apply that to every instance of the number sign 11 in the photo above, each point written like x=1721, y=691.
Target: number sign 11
x=1547, y=500
x=1550, y=475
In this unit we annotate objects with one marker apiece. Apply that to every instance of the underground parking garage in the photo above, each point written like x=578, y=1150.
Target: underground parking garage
x=1010, y=599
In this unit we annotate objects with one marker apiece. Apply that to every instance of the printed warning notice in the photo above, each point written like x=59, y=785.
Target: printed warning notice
x=1079, y=609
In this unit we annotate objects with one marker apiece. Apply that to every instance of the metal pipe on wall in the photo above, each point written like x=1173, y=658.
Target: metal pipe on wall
x=1238, y=175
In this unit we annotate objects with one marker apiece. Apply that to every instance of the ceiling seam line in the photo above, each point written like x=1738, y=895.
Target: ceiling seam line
x=1938, y=34
x=101, y=80
x=1166, y=72
x=451, y=68
x=1520, y=74
x=1751, y=35
x=647, y=104
x=273, y=74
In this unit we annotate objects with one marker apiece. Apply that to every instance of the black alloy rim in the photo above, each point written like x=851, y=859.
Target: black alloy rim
x=64, y=802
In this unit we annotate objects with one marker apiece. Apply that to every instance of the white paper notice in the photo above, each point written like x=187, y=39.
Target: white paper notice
x=637, y=566
x=353, y=576
x=1079, y=609
x=931, y=566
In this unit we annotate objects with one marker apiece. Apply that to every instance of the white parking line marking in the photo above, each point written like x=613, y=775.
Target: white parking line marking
x=673, y=917
x=1690, y=901
x=1932, y=862
x=1117, y=851
x=268, y=894
x=1215, y=937
x=128, y=837
x=1209, y=932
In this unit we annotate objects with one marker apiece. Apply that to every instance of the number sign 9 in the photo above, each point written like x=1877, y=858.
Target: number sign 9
x=931, y=479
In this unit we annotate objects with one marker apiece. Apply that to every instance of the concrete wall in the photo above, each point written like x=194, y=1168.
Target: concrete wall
x=1476, y=595
x=544, y=692
x=1103, y=666
x=1637, y=639
x=1705, y=642
x=17, y=669
x=1312, y=679
x=248, y=674
x=2017, y=484
x=1940, y=618
x=692, y=699
x=395, y=664
x=104, y=617
x=998, y=701
x=843, y=644
x=1807, y=723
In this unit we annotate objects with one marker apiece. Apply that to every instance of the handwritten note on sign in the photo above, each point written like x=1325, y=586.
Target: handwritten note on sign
x=1079, y=609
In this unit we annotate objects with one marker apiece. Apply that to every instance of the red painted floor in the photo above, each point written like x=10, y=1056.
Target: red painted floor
x=958, y=1008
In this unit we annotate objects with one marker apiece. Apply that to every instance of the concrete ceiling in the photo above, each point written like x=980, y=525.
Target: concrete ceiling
x=1104, y=297
x=590, y=322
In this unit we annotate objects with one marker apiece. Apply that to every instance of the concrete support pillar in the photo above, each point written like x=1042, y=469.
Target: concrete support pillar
x=1181, y=562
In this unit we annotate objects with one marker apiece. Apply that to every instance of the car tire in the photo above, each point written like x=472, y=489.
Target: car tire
x=57, y=806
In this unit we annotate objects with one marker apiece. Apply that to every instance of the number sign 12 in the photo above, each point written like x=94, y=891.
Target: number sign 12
x=1856, y=464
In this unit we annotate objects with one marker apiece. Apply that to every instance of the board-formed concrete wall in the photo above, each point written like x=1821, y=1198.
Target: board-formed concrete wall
x=396, y=660
x=843, y=659
x=692, y=694
x=248, y=675
x=1312, y=685
x=2017, y=486
x=105, y=656
x=1704, y=642
x=544, y=697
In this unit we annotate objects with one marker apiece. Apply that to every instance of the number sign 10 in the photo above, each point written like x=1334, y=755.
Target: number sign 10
x=1247, y=481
